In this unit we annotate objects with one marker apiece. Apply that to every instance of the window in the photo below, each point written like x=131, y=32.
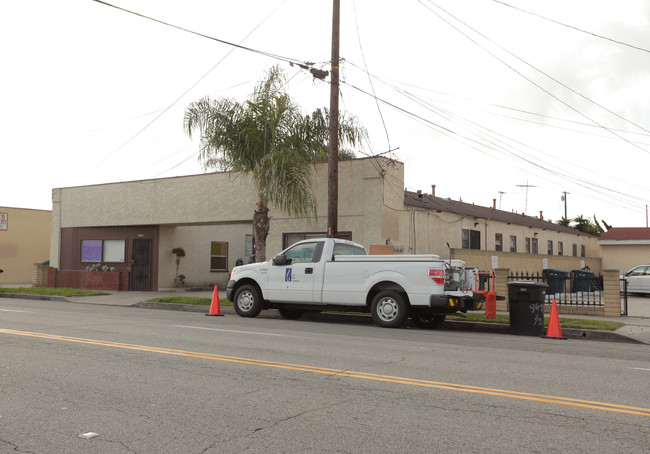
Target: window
x=348, y=249
x=471, y=239
x=534, y=246
x=291, y=238
x=550, y=247
x=102, y=251
x=303, y=253
x=513, y=243
x=560, y=248
x=249, y=249
x=498, y=242
x=583, y=250
x=114, y=251
x=575, y=250
x=218, y=256
x=527, y=245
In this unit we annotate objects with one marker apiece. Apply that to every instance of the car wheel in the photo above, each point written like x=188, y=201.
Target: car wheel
x=248, y=301
x=428, y=321
x=389, y=309
x=290, y=314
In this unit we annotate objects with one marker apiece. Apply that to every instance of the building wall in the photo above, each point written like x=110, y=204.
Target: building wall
x=25, y=242
x=429, y=232
x=193, y=211
x=365, y=199
x=197, y=199
x=624, y=257
x=196, y=240
x=524, y=263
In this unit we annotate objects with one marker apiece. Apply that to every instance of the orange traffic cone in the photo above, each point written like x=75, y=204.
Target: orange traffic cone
x=215, y=307
x=554, y=330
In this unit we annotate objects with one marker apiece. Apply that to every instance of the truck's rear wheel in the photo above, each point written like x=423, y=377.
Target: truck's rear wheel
x=248, y=301
x=389, y=309
x=428, y=321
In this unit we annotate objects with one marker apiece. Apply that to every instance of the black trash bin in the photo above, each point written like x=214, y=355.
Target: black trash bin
x=556, y=280
x=527, y=307
x=582, y=281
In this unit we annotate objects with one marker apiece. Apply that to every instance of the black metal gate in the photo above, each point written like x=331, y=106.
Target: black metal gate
x=623, y=296
x=141, y=265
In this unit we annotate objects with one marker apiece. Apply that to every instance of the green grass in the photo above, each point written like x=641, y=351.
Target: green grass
x=51, y=291
x=190, y=300
x=576, y=323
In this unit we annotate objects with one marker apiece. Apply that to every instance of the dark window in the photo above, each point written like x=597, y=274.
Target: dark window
x=534, y=246
x=513, y=243
x=560, y=248
x=218, y=256
x=471, y=239
x=527, y=245
x=498, y=242
x=550, y=247
x=583, y=250
x=575, y=250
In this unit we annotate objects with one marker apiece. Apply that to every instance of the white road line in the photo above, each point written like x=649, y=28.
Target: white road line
x=640, y=368
x=12, y=310
x=232, y=331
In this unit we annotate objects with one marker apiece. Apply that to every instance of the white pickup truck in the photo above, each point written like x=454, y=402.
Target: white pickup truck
x=319, y=274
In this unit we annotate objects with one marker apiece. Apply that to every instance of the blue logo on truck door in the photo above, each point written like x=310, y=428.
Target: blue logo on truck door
x=287, y=275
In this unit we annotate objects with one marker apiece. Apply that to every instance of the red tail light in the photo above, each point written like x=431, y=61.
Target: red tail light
x=437, y=275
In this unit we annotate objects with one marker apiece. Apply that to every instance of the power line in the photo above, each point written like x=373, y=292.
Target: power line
x=193, y=85
x=238, y=46
x=536, y=69
x=572, y=27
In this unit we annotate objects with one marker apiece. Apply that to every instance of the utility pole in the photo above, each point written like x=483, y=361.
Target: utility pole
x=333, y=149
x=526, y=186
x=564, y=194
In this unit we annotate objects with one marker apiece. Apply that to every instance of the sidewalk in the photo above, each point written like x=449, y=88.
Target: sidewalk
x=636, y=329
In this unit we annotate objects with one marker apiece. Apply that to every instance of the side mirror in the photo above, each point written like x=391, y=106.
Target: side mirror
x=280, y=259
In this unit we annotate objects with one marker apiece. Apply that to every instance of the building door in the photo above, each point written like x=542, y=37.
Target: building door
x=141, y=265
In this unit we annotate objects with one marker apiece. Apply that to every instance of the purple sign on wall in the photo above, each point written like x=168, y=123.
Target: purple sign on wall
x=91, y=251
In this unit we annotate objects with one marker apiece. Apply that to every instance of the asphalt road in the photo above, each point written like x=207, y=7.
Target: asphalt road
x=179, y=382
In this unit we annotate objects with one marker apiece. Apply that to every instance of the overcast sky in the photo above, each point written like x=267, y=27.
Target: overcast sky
x=474, y=96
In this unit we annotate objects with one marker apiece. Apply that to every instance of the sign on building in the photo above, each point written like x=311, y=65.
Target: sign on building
x=4, y=221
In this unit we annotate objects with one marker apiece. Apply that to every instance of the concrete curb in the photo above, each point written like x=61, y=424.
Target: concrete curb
x=450, y=325
x=23, y=296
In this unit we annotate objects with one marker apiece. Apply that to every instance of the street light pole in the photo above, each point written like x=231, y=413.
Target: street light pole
x=333, y=149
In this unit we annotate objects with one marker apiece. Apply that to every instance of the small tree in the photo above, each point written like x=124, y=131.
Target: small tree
x=179, y=252
x=269, y=138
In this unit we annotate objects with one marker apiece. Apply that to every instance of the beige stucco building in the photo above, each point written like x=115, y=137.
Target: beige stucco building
x=132, y=227
x=623, y=248
x=24, y=241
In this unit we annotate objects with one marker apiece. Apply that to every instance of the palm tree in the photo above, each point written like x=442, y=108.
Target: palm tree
x=268, y=137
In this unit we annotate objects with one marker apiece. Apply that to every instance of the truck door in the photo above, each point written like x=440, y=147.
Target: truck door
x=294, y=281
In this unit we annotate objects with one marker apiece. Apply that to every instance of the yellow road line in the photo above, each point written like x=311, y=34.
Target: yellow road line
x=603, y=406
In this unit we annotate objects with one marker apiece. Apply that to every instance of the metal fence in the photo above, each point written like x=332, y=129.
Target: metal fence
x=623, y=286
x=578, y=288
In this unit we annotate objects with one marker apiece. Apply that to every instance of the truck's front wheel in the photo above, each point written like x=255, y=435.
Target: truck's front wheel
x=248, y=301
x=389, y=309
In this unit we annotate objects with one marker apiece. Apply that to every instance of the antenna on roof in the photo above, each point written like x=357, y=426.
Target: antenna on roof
x=500, y=194
x=526, y=186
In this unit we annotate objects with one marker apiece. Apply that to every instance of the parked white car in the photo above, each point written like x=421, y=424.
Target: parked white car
x=638, y=279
